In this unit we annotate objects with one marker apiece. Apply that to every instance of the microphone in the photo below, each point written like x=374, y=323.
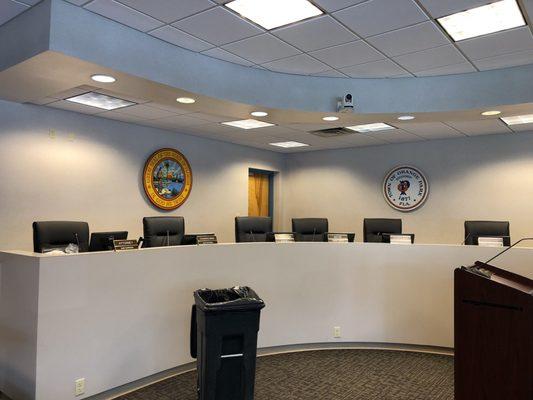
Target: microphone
x=314, y=232
x=77, y=240
x=168, y=238
x=508, y=248
x=466, y=238
x=252, y=233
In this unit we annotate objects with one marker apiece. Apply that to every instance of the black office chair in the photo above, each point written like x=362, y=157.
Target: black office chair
x=57, y=235
x=475, y=229
x=252, y=229
x=163, y=231
x=373, y=228
x=309, y=229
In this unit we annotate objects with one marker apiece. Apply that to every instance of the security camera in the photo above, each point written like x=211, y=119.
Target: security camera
x=346, y=103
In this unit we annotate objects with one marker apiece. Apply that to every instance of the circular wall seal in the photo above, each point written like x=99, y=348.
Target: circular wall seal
x=405, y=188
x=167, y=179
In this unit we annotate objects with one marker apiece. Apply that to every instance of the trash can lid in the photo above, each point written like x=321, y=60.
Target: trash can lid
x=238, y=298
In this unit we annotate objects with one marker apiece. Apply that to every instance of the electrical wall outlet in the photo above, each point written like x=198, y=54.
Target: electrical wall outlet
x=79, y=386
x=336, y=331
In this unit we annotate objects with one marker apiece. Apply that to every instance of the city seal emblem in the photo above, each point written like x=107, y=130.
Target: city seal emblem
x=405, y=188
x=167, y=179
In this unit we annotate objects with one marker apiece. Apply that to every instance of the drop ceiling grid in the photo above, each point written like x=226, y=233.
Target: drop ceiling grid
x=230, y=50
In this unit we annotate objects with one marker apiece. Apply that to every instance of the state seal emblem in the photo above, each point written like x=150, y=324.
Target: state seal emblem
x=167, y=179
x=405, y=188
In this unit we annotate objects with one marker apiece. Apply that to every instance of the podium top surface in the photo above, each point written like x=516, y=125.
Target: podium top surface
x=503, y=277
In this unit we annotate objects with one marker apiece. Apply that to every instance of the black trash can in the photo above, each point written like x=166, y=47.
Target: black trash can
x=224, y=328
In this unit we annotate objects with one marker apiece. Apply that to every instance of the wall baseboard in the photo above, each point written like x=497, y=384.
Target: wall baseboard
x=267, y=351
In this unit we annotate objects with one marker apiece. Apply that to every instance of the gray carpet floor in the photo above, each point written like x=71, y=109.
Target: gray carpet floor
x=332, y=375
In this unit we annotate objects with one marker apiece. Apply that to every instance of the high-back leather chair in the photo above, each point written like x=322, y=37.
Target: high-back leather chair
x=475, y=229
x=373, y=228
x=252, y=229
x=163, y=231
x=57, y=235
x=309, y=229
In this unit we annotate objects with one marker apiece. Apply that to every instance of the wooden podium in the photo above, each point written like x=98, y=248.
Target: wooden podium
x=493, y=334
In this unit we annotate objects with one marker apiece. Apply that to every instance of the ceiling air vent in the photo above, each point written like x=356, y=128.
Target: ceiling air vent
x=332, y=132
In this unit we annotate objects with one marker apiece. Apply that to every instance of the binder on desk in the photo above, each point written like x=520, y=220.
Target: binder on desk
x=493, y=334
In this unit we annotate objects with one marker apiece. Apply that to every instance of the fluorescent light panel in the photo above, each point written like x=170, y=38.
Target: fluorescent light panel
x=376, y=127
x=248, y=124
x=272, y=14
x=100, y=100
x=495, y=17
x=288, y=145
x=518, y=120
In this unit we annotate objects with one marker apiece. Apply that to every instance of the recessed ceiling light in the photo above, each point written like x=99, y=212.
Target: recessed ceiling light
x=103, y=78
x=378, y=126
x=491, y=112
x=288, y=145
x=185, y=100
x=259, y=114
x=518, y=120
x=406, y=118
x=100, y=100
x=331, y=118
x=494, y=17
x=248, y=124
x=272, y=14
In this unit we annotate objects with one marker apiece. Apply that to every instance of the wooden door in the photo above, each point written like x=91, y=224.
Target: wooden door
x=258, y=194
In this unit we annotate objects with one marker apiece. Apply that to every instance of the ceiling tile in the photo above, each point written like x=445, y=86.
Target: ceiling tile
x=218, y=26
x=169, y=10
x=209, y=117
x=522, y=128
x=334, y=5
x=174, y=108
x=360, y=140
x=505, y=60
x=180, y=38
x=123, y=14
x=300, y=64
x=430, y=130
x=80, y=108
x=332, y=73
x=395, y=136
x=121, y=117
x=222, y=54
x=78, y=2
x=316, y=33
x=10, y=9
x=510, y=41
x=33, y=2
x=377, y=16
x=348, y=54
x=441, y=8
x=431, y=58
x=409, y=40
x=462, y=68
x=261, y=49
x=177, y=121
x=145, y=112
x=375, y=69
x=484, y=127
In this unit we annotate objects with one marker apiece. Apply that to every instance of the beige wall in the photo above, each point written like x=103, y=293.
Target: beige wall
x=486, y=177
x=96, y=176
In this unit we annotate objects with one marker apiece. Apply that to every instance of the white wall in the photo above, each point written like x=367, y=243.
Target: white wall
x=486, y=177
x=96, y=176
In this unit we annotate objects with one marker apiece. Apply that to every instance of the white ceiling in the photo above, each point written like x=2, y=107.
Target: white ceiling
x=355, y=38
x=184, y=120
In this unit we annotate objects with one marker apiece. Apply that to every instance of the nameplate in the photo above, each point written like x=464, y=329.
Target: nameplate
x=490, y=241
x=283, y=237
x=121, y=245
x=338, y=237
x=207, y=238
x=400, y=239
